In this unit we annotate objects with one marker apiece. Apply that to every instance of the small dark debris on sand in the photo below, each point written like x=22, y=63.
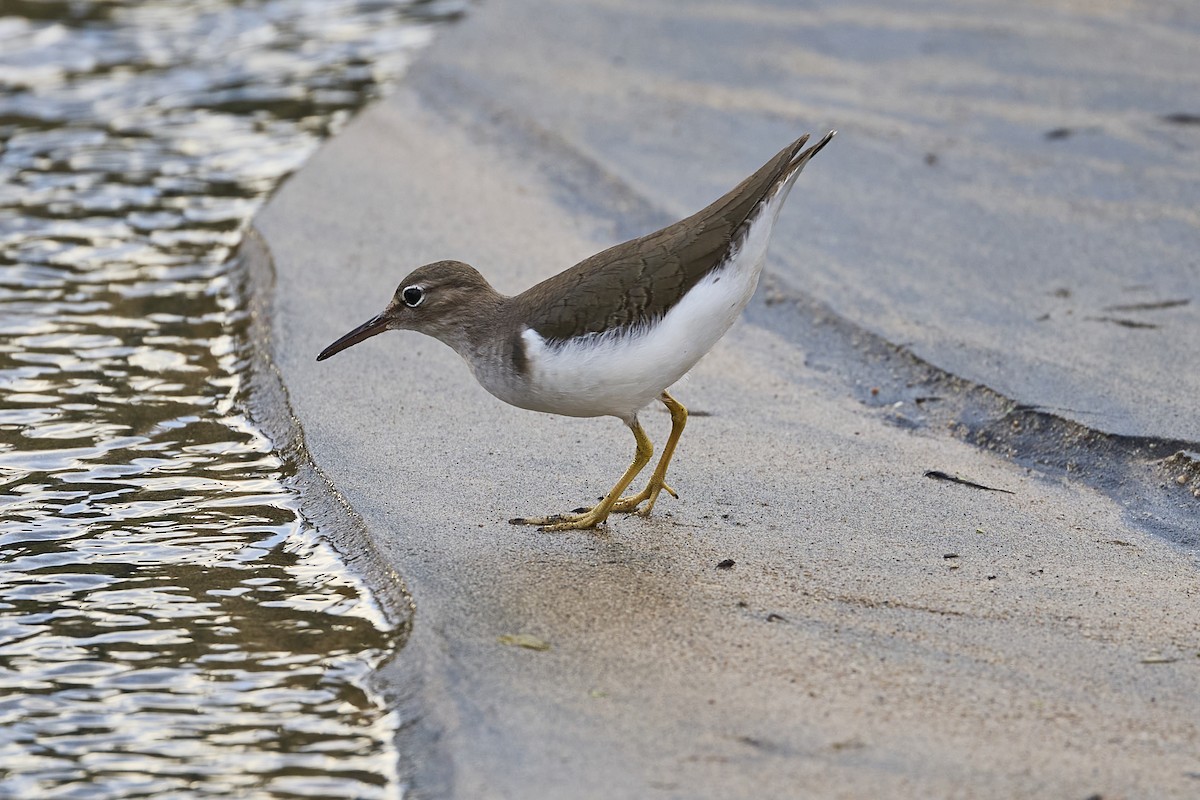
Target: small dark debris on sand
x=1155, y=306
x=1124, y=323
x=1182, y=118
x=938, y=475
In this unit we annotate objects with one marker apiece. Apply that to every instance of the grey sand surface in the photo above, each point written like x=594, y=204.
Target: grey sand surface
x=880, y=634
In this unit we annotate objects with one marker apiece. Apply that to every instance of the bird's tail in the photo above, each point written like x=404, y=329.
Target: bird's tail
x=786, y=178
x=802, y=156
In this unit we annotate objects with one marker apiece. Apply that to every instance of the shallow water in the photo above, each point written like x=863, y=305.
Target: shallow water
x=170, y=625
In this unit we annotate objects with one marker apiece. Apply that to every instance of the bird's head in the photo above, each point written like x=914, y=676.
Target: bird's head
x=444, y=300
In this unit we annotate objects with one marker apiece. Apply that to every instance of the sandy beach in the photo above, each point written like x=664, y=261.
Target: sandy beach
x=1007, y=201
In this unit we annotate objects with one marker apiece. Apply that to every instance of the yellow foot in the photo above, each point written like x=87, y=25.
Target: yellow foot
x=584, y=518
x=577, y=521
x=629, y=505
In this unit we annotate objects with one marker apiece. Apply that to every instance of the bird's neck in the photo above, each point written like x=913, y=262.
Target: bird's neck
x=474, y=331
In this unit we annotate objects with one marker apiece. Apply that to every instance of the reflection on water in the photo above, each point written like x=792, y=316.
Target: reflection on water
x=169, y=624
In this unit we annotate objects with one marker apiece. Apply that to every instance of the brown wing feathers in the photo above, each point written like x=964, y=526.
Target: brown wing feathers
x=640, y=280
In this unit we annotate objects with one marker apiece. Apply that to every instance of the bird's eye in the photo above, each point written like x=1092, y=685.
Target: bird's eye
x=413, y=296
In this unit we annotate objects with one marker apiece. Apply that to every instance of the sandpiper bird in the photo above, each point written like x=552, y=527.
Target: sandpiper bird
x=612, y=333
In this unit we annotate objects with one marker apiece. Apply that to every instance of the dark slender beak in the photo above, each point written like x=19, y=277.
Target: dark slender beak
x=368, y=329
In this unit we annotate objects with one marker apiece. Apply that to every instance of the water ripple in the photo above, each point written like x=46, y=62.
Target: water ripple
x=170, y=625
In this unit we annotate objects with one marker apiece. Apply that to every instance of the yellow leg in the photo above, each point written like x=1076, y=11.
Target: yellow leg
x=657, y=482
x=594, y=516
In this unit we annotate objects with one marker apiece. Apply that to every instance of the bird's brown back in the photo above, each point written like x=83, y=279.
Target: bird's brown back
x=640, y=280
